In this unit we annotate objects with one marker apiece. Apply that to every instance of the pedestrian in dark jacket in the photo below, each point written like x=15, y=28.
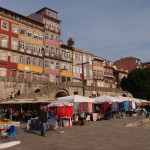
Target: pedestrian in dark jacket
x=43, y=120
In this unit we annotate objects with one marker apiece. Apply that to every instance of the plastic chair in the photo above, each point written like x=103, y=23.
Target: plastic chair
x=12, y=131
x=88, y=118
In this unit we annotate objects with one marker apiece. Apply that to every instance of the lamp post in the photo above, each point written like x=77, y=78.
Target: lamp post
x=83, y=87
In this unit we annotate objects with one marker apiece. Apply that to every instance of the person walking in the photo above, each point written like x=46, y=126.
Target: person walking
x=43, y=120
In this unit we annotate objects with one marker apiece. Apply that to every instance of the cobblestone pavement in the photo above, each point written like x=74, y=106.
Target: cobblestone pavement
x=100, y=135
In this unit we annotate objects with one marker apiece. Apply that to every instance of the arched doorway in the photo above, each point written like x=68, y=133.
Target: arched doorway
x=62, y=93
x=124, y=95
x=98, y=95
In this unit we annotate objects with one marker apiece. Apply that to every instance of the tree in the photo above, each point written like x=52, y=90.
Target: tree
x=138, y=83
x=70, y=42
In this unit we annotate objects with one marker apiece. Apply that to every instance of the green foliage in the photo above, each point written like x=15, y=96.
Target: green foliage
x=70, y=42
x=138, y=83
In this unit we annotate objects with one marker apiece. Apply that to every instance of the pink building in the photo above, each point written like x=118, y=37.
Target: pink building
x=51, y=42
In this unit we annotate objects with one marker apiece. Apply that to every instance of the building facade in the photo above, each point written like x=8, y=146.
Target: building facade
x=98, y=71
x=109, y=79
x=51, y=42
x=30, y=48
x=21, y=45
x=128, y=63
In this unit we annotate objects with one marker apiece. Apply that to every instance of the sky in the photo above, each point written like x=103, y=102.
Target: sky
x=111, y=29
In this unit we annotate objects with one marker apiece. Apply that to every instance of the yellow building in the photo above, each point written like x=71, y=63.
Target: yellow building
x=98, y=71
x=66, y=63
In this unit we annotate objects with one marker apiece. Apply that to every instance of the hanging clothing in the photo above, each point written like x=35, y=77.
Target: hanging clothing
x=81, y=108
x=133, y=105
x=118, y=106
x=114, y=106
x=75, y=108
x=122, y=106
x=106, y=105
x=90, y=107
x=126, y=105
x=85, y=107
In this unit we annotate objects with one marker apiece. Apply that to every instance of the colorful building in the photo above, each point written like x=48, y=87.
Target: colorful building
x=20, y=35
x=66, y=63
x=30, y=48
x=128, y=63
x=146, y=64
x=51, y=42
x=119, y=73
x=77, y=67
x=109, y=79
x=98, y=71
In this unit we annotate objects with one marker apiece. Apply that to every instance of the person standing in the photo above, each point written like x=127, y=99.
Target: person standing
x=43, y=120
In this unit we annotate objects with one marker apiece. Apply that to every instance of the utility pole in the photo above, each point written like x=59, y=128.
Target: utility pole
x=83, y=87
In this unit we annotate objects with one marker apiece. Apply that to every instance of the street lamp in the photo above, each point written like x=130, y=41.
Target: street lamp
x=83, y=88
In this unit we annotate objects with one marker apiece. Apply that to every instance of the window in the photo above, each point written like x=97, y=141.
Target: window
x=73, y=56
x=47, y=49
x=29, y=34
x=57, y=51
x=5, y=25
x=28, y=60
x=46, y=36
x=80, y=57
x=76, y=57
x=21, y=59
x=14, y=28
x=52, y=50
x=35, y=36
x=4, y=40
x=29, y=47
x=22, y=31
x=35, y=49
x=52, y=37
x=57, y=65
x=52, y=65
x=57, y=27
x=40, y=50
x=40, y=63
x=22, y=45
x=34, y=62
x=57, y=38
x=46, y=63
x=3, y=56
x=68, y=55
x=63, y=53
x=52, y=25
x=41, y=37
x=14, y=44
x=14, y=58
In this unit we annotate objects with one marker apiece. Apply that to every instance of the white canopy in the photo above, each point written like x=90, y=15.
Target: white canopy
x=75, y=98
x=121, y=98
x=105, y=98
x=59, y=103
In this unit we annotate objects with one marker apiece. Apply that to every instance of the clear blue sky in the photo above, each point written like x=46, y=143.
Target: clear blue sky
x=110, y=29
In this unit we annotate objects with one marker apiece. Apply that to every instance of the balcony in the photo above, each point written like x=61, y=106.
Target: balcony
x=34, y=53
x=46, y=54
x=22, y=50
x=40, y=54
x=5, y=45
x=14, y=47
x=29, y=51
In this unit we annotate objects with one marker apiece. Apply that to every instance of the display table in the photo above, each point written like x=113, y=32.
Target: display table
x=95, y=116
x=63, y=123
x=5, y=125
